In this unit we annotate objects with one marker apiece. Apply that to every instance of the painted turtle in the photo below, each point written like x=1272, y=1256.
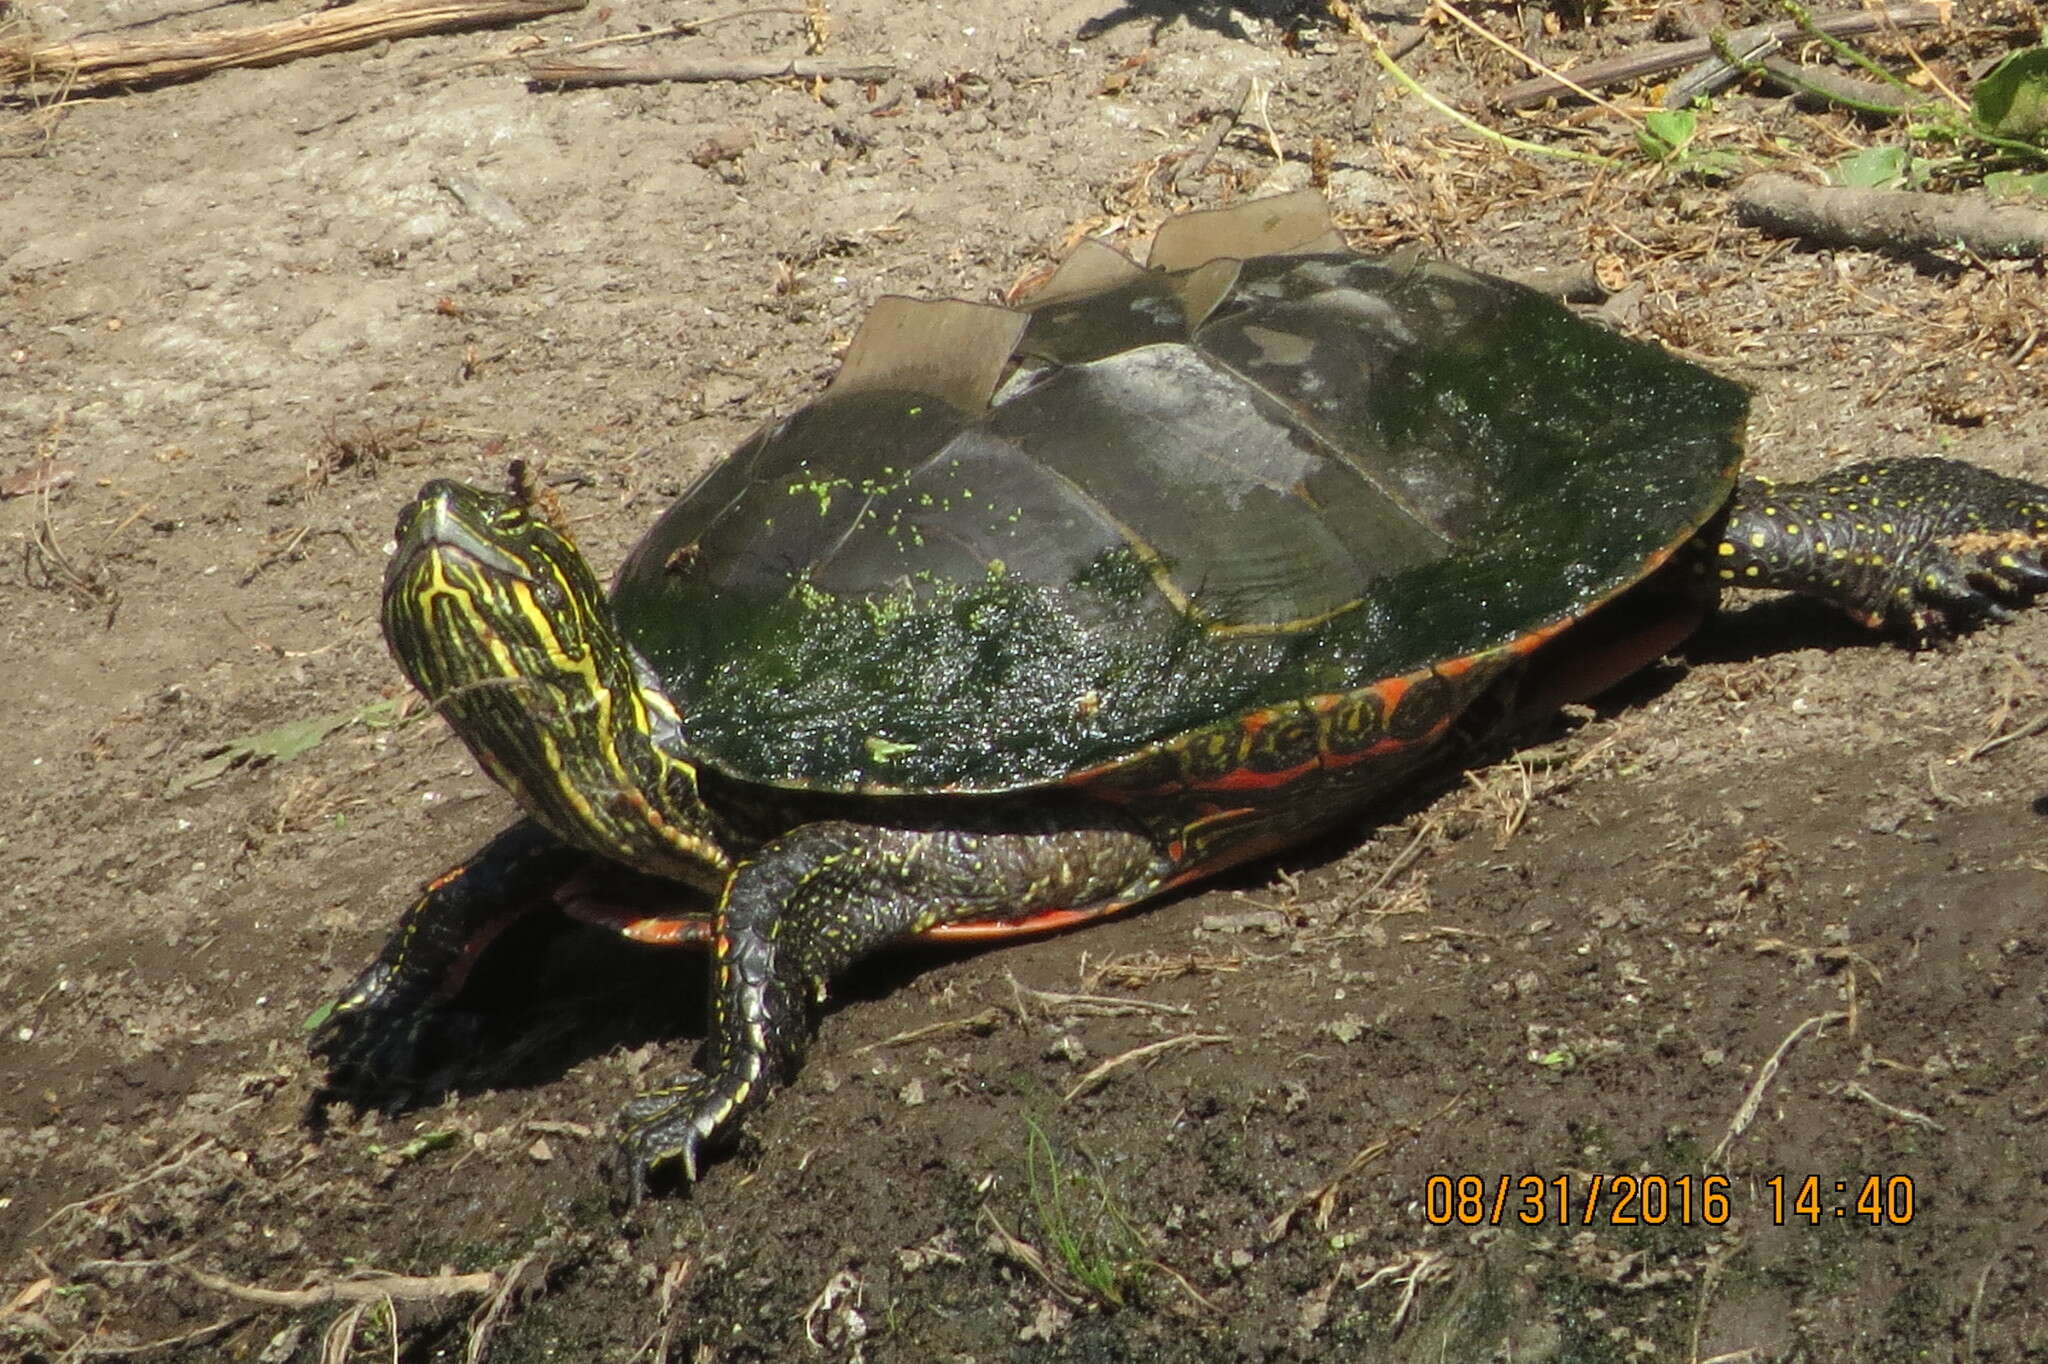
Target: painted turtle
x=1035, y=615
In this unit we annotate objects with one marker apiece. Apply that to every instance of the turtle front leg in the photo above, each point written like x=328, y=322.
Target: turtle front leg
x=825, y=895
x=389, y=1028
x=1912, y=544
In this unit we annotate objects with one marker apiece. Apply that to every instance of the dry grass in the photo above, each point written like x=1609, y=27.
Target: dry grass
x=28, y=123
x=126, y=63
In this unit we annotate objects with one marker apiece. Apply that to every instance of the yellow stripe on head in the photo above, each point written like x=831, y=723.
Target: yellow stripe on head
x=500, y=622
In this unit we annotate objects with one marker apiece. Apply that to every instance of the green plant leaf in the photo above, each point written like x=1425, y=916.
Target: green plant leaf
x=1872, y=168
x=1715, y=165
x=2012, y=99
x=280, y=745
x=2017, y=184
x=423, y=1144
x=1666, y=133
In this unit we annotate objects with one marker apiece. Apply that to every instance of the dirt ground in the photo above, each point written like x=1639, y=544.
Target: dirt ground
x=253, y=313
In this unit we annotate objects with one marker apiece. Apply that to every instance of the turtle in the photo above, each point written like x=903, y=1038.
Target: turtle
x=1041, y=612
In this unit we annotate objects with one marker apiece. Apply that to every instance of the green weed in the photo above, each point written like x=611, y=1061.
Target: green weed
x=1089, y=1235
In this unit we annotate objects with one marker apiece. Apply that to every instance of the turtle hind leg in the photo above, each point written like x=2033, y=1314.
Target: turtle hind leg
x=1915, y=545
x=820, y=898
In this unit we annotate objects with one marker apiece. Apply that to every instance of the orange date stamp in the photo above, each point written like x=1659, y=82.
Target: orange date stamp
x=1577, y=1200
x=1622, y=1200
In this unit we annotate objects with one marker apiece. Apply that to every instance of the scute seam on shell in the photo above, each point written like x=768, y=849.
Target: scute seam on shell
x=1286, y=224
x=959, y=351
x=1205, y=286
x=949, y=348
x=1093, y=267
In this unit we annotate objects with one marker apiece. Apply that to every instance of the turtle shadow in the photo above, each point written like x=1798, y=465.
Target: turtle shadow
x=1217, y=16
x=1750, y=632
x=550, y=994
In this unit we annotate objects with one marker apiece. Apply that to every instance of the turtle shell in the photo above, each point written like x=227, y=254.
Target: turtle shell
x=1008, y=547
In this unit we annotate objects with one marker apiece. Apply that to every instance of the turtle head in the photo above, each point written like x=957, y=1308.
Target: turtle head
x=499, y=621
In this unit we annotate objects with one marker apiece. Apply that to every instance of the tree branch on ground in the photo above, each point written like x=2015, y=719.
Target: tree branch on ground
x=1662, y=57
x=1889, y=219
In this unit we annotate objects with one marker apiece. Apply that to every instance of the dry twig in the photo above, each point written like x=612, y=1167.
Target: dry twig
x=687, y=28
x=1753, y=1100
x=568, y=75
x=104, y=62
x=397, y=1287
x=981, y=1025
x=1024, y=1253
x=1087, y=1006
x=1136, y=970
x=86, y=1349
x=1818, y=87
x=176, y=1160
x=1221, y=122
x=2028, y=730
x=1411, y=1272
x=493, y=1311
x=1323, y=1198
x=1425, y=831
x=1905, y=1115
x=1144, y=1053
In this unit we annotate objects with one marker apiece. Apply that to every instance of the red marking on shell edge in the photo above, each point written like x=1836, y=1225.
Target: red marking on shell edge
x=1387, y=746
x=444, y=880
x=1235, y=854
x=676, y=932
x=1523, y=645
x=457, y=975
x=1391, y=692
x=1244, y=779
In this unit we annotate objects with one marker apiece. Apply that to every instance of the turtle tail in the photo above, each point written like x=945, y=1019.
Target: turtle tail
x=1915, y=545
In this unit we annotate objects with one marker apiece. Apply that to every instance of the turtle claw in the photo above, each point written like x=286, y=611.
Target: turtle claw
x=1958, y=590
x=675, y=1128
x=629, y=1180
x=2011, y=577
